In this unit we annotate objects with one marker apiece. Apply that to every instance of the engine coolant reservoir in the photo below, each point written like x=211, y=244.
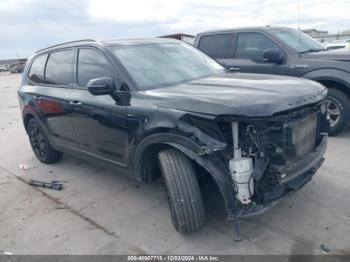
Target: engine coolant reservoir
x=241, y=170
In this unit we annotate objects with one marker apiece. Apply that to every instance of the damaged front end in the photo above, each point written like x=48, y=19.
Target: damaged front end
x=271, y=157
x=262, y=159
x=255, y=161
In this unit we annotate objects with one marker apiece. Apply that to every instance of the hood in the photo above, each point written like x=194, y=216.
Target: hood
x=252, y=95
x=342, y=54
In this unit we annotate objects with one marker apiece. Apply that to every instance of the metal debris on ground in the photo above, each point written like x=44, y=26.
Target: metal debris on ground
x=61, y=206
x=56, y=185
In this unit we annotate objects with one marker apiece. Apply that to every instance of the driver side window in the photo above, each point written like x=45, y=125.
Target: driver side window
x=252, y=46
x=91, y=64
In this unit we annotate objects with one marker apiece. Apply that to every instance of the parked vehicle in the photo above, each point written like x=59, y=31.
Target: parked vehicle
x=3, y=68
x=337, y=44
x=285, y=51
x=159, y=107
x=16, y=68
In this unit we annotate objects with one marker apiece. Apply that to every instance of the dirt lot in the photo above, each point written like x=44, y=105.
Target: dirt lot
x=108, y=213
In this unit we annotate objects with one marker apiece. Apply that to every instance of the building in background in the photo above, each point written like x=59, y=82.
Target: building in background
x=332, y=37
x=324, y=36
x=13, y=65
x=337, y=44
x=180, y=36
x=315, y=33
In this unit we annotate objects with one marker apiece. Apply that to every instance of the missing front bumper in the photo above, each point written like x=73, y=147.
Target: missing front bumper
x=311, y=161
x=303, y=172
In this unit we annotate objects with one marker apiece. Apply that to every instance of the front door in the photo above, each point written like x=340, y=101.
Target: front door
x=248, y=55
x=99, y=124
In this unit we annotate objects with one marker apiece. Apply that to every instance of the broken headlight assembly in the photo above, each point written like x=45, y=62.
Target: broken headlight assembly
x=262, y=152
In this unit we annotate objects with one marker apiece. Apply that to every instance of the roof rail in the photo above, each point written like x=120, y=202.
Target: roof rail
x=71, y=42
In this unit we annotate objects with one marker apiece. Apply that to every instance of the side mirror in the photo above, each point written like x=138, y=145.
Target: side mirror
x=101, y=86
x=122, y=96
x=273, y=56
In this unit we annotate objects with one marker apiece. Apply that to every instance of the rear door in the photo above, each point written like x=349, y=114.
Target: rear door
x=100, y=124
x=218, y=46
x=51, y=81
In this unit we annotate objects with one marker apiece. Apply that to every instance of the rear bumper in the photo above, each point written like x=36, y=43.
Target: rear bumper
x=300, y=173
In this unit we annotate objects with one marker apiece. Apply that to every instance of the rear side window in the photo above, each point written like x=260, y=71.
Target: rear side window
x=252, y=46
x=217, y=46
x=92, y=64
x=36, y=72
x=59, y=68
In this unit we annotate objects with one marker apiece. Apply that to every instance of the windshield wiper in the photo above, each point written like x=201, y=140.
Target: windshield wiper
x=312, y=50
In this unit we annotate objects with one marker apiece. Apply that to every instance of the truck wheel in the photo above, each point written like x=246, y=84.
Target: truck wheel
x=338, y=110
x=183, y=193
x=40, y=144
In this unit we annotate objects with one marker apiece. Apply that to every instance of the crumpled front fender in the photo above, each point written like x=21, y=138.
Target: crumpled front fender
x=211, y=162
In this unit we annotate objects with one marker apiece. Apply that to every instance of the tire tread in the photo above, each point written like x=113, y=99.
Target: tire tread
x=183, y=190
x=344, y=121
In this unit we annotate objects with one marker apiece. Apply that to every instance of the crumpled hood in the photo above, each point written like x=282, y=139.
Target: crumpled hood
x=342, y=54
x=252, y=95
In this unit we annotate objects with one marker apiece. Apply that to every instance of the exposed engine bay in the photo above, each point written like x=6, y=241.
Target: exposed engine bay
x=264, y=158
x=256, y=161
x=265, y=155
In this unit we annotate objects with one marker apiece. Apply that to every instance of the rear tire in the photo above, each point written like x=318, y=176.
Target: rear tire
x=338, y=106
x=184, y=196
x=40, y=144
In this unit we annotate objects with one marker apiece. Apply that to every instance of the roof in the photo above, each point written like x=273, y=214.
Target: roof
x=134, y=41
x=177, y=35
x=255, y=28
x=140, y=41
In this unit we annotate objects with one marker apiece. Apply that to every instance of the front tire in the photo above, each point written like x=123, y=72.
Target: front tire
x=40, y=144
x=184, y=196
x=338, y=110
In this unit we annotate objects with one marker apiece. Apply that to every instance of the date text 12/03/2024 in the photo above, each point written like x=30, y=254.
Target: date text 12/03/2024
x=173, y=258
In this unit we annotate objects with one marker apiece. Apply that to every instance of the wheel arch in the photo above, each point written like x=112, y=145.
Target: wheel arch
x=145, y=162
x=26, y=119
x=331, y=78
x=28, y=114
x=336, y=84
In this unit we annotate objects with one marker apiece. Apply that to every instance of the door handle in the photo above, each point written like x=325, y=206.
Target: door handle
x=37, y=97
x=75, y=102
x=233, y=69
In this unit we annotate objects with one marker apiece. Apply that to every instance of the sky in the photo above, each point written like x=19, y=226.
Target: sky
x=28, y=25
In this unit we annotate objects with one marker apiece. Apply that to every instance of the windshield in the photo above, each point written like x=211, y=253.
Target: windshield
x=156, y=65
x=297, y=40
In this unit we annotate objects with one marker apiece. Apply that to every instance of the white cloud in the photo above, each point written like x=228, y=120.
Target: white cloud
x=28, y=25
x=198, y=15
x=134, y=11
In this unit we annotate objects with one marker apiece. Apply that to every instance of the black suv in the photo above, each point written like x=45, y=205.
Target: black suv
x=285, y=51
x=160, y=107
